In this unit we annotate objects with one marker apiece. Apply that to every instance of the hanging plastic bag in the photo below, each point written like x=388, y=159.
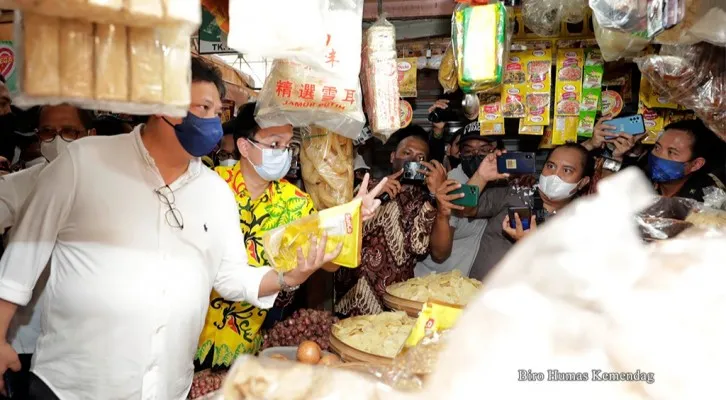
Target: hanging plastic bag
x=692, y=76
x=327, y=167
x=479, y=35
x=448, y=78
x=379, y=78
x=622, y=15
x=301, y=95
x=545, y=17
x=615, y=45
x=272, y=29
x=703, y=21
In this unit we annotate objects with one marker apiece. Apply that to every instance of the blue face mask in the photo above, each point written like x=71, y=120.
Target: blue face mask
x=662, y=170
x=198, y=136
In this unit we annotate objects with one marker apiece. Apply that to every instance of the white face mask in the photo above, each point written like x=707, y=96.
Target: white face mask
x=230, y=162
x=275, y=164
x=51, y=150
x=555, y=188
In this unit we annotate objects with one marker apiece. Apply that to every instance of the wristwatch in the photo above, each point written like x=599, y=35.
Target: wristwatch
x=612, y=165
x=283, y=285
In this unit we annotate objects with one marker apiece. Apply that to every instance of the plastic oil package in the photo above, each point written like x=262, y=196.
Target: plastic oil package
x=545, y=17
x=379, y=79
x=552, y=305
x=622, y=15
x=666, y=217
x=327, y=167
x=279, y=34
x=343, y=225
x=110, y=67
x=693, y=76
x=299, y=95
x=255, y=378
x=704, y=20
x=448, y=77
x=480, y=36
x=615, y=45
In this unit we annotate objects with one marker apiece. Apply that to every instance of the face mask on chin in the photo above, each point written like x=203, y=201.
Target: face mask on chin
x=555, y=188
x=51, y=150
x=230, y=162
x=275, y=163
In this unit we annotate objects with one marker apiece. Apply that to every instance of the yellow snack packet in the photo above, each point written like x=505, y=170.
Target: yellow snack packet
x=434, y=318
x=343, y=224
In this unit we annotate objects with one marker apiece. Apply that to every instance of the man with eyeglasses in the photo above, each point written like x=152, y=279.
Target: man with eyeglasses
x=58, y=126
x=455, y=240
x=138, y=233
x=266, y=200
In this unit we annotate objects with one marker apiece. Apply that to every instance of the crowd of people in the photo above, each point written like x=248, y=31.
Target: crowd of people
x=135, y=250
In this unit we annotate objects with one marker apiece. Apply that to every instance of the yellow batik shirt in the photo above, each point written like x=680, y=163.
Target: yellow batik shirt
x=232, y=328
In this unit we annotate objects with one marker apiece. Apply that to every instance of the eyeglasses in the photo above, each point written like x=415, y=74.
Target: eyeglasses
x=293, y=147
x=223, y=155
x=481, y=151
x=173, y=215
x=67, y=133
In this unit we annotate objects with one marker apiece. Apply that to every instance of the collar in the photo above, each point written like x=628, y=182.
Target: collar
x=195, y=165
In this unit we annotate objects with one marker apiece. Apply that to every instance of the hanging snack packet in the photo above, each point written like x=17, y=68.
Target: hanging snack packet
x=343, y=225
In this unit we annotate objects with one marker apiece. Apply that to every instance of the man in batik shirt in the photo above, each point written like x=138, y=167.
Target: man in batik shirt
x=266, y=200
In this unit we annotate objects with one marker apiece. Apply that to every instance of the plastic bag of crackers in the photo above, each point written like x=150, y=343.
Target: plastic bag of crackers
x=130, y=70
x=327, y=166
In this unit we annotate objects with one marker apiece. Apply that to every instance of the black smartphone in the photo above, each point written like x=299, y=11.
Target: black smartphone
x=9, y=379
x=411, y=172
x=517, y=163
x=471, y=196
x=525, y=215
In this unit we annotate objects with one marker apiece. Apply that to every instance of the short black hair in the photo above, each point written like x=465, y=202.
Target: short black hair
x=245, y=125
x=412, y=130
x=588, y=163
x=703, y=139
x=109, y=126
x=87, y=118
x=205, y=71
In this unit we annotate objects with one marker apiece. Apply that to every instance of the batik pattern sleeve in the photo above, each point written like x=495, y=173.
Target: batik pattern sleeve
x=41, y=220
x=419, y=217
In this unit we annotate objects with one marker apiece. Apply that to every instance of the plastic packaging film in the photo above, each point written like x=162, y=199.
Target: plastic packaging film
x=299, y=95
x=147, y=65
x=615, y=45
x=621, y=15
x=698, y=24
x=76, y=59
x=379, y=79
x=327, y=167
x=545, y=17
x=40, y=53
x=692, y=76
x=177, y=67
x=447, y=72
x=112, y=78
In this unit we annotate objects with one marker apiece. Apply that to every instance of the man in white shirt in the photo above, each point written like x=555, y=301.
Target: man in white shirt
x=57, y=127
x=138, y=232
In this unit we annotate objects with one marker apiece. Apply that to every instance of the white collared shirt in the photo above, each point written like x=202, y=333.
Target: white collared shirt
x=128, y=292
x=15, y=188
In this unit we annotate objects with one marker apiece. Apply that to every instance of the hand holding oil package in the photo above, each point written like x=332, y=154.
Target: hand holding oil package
x=343, y=225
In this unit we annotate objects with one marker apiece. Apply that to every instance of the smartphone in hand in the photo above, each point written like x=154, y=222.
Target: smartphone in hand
x=632, y=125
x=471, y=196
x=517, y=163
x=525, y=215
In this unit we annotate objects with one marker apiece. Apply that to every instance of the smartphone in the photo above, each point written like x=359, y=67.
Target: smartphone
x=9, y=379
x=411, y=172
x=471, y=196
x=632, y=125
x=525, y=215
x=516, y=162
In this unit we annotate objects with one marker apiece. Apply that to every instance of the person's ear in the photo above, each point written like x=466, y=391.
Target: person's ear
x=393, y=157
x=697, y=164
x=243, y=147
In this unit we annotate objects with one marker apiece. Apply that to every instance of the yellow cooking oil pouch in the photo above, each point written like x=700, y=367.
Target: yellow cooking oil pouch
x=343, y=224
x=434, y=318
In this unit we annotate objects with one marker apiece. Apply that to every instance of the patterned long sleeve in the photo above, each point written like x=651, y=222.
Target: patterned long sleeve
x=419, y=233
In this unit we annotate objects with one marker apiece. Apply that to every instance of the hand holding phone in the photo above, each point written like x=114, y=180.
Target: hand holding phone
x=471, y=196
x=519, y=222
x=632, y=125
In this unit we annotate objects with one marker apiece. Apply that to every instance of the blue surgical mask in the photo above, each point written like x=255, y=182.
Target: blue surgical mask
x=662, y=170
x=198, y=136
x=275, y=163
